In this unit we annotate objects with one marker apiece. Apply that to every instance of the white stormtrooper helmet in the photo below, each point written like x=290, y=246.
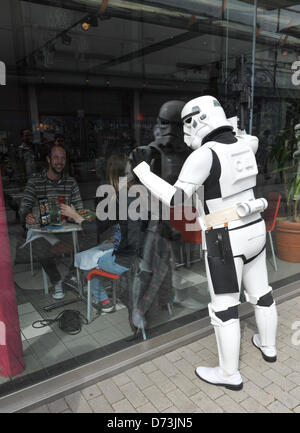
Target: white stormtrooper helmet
x=200, y=117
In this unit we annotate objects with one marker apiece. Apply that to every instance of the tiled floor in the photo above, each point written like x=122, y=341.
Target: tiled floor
x=168, y=384
x=50, y=345
x=27, y=317
x=46, y=346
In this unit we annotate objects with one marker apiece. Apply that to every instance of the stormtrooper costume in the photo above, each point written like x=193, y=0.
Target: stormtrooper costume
x=223, y=163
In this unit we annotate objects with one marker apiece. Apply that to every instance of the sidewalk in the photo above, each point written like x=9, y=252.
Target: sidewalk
x=168, y=383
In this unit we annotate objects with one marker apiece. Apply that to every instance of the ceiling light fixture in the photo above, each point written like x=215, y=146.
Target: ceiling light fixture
x=89, y=21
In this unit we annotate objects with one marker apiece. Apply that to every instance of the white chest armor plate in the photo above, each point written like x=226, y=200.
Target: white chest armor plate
x=238, y=167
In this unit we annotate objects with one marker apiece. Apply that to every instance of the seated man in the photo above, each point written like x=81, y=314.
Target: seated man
x=54, y=183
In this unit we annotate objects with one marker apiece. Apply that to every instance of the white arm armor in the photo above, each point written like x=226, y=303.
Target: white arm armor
x=193, y=173
x=158, y=187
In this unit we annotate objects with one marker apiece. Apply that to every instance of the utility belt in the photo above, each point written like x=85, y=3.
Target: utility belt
x=219, y=252
x=241, y=210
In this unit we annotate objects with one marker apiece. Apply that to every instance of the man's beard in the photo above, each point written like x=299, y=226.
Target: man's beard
x=56, y=171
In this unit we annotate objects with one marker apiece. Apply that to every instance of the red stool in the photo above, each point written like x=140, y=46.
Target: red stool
x=92, y=274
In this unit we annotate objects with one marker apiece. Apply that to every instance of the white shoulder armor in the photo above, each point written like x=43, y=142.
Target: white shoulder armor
x=249, y=140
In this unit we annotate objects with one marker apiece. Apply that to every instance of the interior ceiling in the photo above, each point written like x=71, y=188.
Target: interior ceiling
x=117, y=44
x=172, y=5
x=120, y=41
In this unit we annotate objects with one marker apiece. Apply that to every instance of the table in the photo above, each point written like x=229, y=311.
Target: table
x=65, y=228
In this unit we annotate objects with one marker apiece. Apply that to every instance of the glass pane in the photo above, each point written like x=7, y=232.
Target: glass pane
x=92, y=76
x=276, y=113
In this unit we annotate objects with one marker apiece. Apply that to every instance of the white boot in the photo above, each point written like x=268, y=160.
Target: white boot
x=265, y=341
x=269, y=353
x=228, y=341
x=215, y=376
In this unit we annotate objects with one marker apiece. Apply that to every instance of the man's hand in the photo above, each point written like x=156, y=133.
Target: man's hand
x=70, y=213
x=29, y=219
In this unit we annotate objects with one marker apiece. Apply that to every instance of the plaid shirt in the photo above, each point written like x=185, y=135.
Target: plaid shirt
x=39, y=187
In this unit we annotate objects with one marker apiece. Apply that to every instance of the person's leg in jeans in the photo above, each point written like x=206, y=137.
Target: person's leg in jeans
x=106, y=263
x=98, y=290
x=41, y=250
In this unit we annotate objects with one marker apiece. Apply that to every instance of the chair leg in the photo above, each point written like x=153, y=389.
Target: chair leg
x=170, y=309
x=78, y=278
x=273, y=253
x=201, y=251
x=143, y=332
x=114, y=293
x=188, y=254
x=45, y=281
x=31, y=258
x=181, y=252
x=89, y=302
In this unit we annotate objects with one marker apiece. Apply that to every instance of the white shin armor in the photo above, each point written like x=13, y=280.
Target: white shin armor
x=265, y=316
x=266, y=321
x=228, y=341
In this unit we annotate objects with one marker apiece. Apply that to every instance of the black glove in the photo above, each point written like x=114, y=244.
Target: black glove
x=140, y=154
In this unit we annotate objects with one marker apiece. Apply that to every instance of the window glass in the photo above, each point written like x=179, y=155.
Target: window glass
x=82, y=86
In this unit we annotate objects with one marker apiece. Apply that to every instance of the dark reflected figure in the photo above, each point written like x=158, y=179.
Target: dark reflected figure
x=26, y=153
x=264, y=153
x=152, y=289
x=168, y=151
